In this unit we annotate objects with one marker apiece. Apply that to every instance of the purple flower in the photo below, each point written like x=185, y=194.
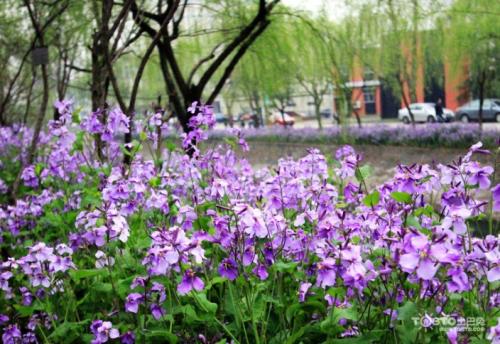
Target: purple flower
x=63, y=106
x=493, y=274
x=11, y=335
x=304, y=287
x=133, y=301
x=190, y=281
x=261, y=272
x=452, y=335
x=228, y=269
x=496, y=197
x=128, y=338
x=3, y=319
x=157, y=311
x=27, y=296
x=422, y=257
x=103, y=331
x=480, y=176
x=193, y=107
x=29, y=177
x=326, y=273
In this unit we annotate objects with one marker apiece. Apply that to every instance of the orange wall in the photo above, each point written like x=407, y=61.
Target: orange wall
x=456, y=93
x=419, y=86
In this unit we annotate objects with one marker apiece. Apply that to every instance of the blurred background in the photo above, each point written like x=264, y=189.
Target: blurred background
x=259, y=63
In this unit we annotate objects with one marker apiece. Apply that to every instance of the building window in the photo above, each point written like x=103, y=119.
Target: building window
x=369, y=94
x=368, y=74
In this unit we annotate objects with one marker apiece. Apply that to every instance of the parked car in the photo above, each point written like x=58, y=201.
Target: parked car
x=328, y=113
x=282, y=119
x=246, y=119
x=470, y=111
x=424, y=112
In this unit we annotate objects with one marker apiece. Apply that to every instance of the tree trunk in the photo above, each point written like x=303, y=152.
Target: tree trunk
x=30, y=158
x=99, y=84
x=317, y=112
x=28, y=97
x=482, y=82
x=358, y=118
x=405, y=101
x=41, y=116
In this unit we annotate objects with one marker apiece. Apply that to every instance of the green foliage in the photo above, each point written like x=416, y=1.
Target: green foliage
x=372, y=199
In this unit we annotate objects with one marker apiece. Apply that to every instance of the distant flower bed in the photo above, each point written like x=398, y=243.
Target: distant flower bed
x=428, y=135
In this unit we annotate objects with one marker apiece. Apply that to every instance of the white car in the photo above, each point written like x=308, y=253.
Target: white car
x=424, y=112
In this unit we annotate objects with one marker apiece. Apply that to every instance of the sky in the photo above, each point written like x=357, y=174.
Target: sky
x=334, y=8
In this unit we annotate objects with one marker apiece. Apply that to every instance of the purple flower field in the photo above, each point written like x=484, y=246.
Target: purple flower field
x=427, y=135
x=203, y=248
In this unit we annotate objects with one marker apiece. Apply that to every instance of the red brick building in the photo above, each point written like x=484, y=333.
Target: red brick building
x=370, y=96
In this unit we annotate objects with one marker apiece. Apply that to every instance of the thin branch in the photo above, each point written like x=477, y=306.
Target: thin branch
x=234, y=61
x=244, y=34
x=201, y=62
x=78, y=69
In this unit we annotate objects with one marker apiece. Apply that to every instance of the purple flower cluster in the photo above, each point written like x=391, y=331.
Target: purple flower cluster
x=433, y=135
x=41, y=266
x=116, y=122
x=103, y=331
x=201, y=118
x=153, y=242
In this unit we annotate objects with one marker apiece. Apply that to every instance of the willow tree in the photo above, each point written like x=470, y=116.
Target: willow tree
x=209, y=74
x=473, y=40
x=313, y=66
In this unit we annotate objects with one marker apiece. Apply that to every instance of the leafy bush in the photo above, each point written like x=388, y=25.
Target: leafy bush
x=208, y=250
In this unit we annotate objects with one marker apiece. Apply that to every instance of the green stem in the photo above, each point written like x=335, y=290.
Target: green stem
x=238, y=311
x=254, y=325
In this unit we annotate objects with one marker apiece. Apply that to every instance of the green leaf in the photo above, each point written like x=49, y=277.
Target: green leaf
x=170, y=145
x=207, y=306
x=428, y=211
x=161, y=336
x=363, y=172
x=308, y=307
x=77, y=275
x=231, y=141
x=68, y=332
x=347, y=313
x=372, y=199
x=155, y=181
x=202, y=223
x=285, y=267
x=214, y=281
x=337, y=292
x=103, y=287
x=407, y=311
x=296, y=336
x=407, y=331
x=401, y=197
x=413, y=222
x=39, y=168
x=25, y=311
